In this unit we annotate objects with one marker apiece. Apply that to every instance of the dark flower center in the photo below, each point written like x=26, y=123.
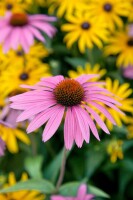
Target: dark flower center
x=85, y=25
x=20, y=53
x=9, y=6
x=107, y=7
x=19, y=19
x=130, y=42
x=24, y=76
x=69, y=92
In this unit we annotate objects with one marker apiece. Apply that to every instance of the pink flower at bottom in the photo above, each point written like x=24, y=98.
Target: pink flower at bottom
x=56, y=99
x=81, y=195
x=2, y=147
x=21, y=29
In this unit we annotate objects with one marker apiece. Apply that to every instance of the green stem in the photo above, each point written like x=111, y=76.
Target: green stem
x=62, y=170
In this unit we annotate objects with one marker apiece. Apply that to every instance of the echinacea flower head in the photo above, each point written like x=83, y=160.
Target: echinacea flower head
x=109, y=11
x=121, y=44
x=20, y=29
x=2, y=147
x=20, y=74
x=122, y=94
x=81, y=195
x=64, y=6
x=84, y=30
x=128, y=72
x=88, y=69
x=114, y=149
x=12, y=6
x=56, y=98
x=22, y=194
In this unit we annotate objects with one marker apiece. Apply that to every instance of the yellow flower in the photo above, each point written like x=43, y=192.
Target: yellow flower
x=109, y=11
x=37, y=51
x=85, y=30
x=20, y=195
x=18, y=74
x=87, y=70
x=12, y=6
x=10, y=136
x=121, y=44
x=122, y=94
x=38, y=2
x=64, y=6
x=114, y=149
x=130, y=15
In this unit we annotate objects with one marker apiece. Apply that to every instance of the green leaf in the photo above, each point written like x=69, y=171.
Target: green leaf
x=70, y=189
x=41, y=185
x=52, y=170
x=94, y=158
x=33, y=166
x=76, y=61
x=98, y=192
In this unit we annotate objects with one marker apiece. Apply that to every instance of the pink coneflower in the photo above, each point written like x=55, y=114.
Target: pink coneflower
x=55, y=98
x=2, y=147
x=128, y=72
x=81, y=195
x=21, y=29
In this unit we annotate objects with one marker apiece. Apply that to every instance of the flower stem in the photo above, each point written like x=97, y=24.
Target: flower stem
x=62, y=170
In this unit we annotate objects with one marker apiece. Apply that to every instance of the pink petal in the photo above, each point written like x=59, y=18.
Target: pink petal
x=28, y=35
x=34, y=110
x=98, y=119
x=4, y=32
x=53, y=123
x=104, y=111
x=2, y=147
x=69, y=129
x=42, y=17
x=84, y=78
x=24, y=43
x=41, y=119
x=82, y=121
x=82, y=191
x=36, y=34
x=103, y=97
x=15, y=38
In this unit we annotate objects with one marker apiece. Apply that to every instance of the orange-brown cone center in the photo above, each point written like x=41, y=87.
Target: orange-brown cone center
x=69, y=92
x=19, y=19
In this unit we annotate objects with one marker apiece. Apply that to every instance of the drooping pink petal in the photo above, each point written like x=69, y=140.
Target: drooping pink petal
x=82, y=123
x=104, y=111
x=98, y=119
x=28, y=35
x=24, y=44
x=69, y=129
x=53, y=123
x=15, y=38
x=41, y=119
x=36, y=33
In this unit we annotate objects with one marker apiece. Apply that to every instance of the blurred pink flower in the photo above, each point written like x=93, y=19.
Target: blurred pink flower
x=130, y=30
x=128, y=72
x=55, y=98
x=81, y=195
x=21, y=29
x=2, y=147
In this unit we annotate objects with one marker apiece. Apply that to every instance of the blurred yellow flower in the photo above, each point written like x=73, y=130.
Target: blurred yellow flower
x=10, y=136
x=88, y=69
x=114, y=149
x=130, y=16
x=20, y=195
x=18, y=74
x=85, y=30
x=37, y=51
x=109, y=11
x=121, y=44
x=12, y=6
x=122, y=94
x=64, y=6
